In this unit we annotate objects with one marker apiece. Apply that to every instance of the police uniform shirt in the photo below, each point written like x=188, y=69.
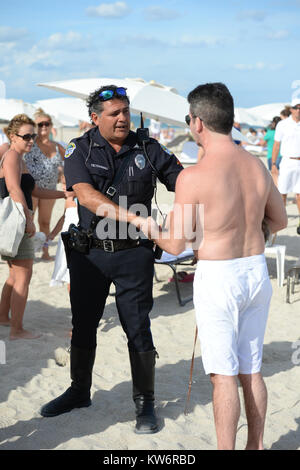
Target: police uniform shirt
x=100, y=166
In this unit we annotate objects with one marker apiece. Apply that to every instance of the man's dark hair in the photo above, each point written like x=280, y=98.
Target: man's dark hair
x=94, y=102
x=213, y=104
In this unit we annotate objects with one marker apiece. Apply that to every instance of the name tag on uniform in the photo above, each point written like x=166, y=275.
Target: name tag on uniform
x=94, y=165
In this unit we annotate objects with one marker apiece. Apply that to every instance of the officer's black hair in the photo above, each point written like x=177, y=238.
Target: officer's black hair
x=94, y=103
x=213, y=104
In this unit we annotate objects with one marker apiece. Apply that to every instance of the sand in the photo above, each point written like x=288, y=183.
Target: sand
x=31, y=376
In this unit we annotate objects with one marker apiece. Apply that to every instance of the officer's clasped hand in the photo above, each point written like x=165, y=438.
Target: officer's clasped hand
x=148, y=226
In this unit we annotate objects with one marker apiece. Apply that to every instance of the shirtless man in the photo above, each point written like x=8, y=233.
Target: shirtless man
x=232, y=290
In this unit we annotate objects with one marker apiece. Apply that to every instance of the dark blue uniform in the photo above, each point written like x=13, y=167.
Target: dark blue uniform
x=91, y=159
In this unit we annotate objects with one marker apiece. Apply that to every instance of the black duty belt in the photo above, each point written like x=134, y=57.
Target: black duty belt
x=111, y=246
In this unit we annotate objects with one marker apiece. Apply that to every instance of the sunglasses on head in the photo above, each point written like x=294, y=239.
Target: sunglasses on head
x=44, y=123
x=27, y=137
x=108, y=94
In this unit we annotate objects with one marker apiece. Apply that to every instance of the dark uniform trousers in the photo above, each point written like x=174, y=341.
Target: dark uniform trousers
x=131, y=271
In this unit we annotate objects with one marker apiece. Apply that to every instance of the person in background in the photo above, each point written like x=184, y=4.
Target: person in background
x=287, y=139
x=269, y=138
x=286, y=112
x=252, y=136
x=237, y=126
x=18, y=183
x=44, y=162
x=84, y=126
x=60, y=274
x=155, y=128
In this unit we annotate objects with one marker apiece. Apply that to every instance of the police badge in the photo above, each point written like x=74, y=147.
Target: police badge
x=140, y=161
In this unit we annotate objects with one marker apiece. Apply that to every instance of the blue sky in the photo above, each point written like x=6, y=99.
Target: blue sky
x=251, y=46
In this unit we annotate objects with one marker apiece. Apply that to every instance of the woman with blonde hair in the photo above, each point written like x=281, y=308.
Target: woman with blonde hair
x=44, y=161
x=16, y=182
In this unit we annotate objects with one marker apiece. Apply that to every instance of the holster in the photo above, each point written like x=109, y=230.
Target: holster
x=75, y=239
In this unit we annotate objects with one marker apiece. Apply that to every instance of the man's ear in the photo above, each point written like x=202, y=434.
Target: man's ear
x=199, y=124
x=95, y=118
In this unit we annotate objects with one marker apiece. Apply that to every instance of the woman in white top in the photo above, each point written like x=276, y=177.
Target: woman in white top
x=44, y=162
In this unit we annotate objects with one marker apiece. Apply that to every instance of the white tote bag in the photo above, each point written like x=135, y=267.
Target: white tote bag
x=12, y=226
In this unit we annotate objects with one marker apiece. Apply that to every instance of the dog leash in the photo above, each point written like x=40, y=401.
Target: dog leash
x=191, y=373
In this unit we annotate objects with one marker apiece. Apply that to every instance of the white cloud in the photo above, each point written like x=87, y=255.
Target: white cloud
x=109, y=10
x=70, y=41
x=186, y=41
x=280, y=34
x=7, y=47
x=8, y=34
x=193, y=41
x=258, y=66
x=157, y=13
x=141, y=40
x=255, y=15
x=50, y=53
x=34, y=56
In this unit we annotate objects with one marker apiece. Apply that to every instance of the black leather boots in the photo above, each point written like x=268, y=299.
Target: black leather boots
x=78, y=395
x=143, y=371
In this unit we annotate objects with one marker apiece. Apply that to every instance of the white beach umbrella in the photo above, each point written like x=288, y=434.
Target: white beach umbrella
x=245, y=116
x=150, y=98
x=69, y=111
x=267, y=111
x=11, y=107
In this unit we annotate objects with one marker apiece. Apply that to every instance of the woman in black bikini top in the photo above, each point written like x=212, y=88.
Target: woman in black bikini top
x=16, y=182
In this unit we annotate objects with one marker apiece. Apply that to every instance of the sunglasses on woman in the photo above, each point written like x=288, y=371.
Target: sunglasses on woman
x=27, y=137
x=108, y=94
x=44, y=123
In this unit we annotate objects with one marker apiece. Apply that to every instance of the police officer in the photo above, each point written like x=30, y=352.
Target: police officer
x=92, y=162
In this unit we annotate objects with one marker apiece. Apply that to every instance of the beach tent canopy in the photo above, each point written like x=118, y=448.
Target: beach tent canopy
x=11, y=107
x=152, y=99
x=68, y=111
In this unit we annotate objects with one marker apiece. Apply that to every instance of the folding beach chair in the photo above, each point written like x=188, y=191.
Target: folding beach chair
x=279, y=251
x=292, y=279
x=183, y=259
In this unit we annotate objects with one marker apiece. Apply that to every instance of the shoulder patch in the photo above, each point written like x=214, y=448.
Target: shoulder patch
x=70, y=149
x=165, y=149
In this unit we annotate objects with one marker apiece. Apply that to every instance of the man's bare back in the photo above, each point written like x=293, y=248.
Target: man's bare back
x=236, y=192
x=233, y=187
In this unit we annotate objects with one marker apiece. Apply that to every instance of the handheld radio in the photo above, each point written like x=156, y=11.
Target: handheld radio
x=143, y=138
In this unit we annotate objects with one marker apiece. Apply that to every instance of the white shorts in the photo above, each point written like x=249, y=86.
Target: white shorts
x=232, y=299
x=289, y=176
